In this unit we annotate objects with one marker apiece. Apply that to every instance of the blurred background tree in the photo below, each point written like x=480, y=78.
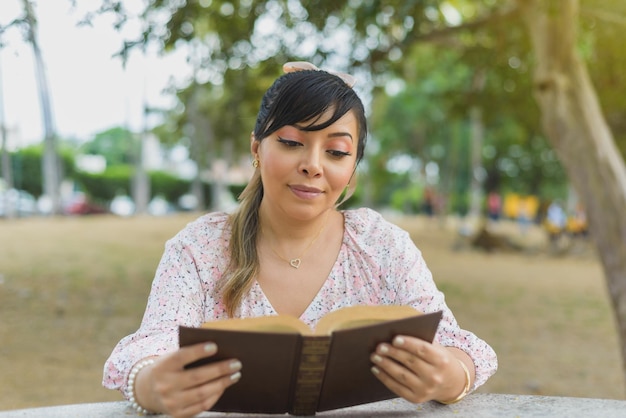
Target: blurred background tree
x=117, y=144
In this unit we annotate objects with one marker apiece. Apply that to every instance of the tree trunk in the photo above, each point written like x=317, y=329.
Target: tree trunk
x=50, y=164
x=477, y=134
x=476, y=163
x=202, y=140
x=141, y=180
x=141, y=187
x=5, y=158
x=578, y=131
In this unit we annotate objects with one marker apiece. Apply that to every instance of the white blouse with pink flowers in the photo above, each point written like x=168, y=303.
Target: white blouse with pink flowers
x=378, y=264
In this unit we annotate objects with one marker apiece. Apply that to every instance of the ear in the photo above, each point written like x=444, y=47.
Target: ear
x=254, y=144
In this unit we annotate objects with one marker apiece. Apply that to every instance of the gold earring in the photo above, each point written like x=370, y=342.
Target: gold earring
x=255, y=163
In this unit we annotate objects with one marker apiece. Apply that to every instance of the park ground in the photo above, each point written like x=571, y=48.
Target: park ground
x=70, y=288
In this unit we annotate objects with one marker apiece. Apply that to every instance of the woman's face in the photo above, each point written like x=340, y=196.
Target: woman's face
x=305, y=172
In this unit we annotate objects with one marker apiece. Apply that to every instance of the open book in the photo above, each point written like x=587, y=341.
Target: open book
x=289, y=368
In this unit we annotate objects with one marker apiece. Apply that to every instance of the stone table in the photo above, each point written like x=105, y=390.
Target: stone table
x=477, y=405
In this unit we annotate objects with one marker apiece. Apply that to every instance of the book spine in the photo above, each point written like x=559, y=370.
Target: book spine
x=310, y=375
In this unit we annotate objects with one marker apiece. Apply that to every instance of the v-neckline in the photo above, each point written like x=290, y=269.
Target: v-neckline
x=314, y=300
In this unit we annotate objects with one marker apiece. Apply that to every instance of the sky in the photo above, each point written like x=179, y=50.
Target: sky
x=90, y=89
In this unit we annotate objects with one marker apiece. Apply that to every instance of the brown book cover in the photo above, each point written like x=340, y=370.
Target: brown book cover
x=288, y=368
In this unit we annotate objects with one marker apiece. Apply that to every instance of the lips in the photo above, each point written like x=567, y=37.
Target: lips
x=305, y=192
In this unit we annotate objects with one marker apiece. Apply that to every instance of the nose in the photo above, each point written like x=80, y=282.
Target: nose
x=311, y=165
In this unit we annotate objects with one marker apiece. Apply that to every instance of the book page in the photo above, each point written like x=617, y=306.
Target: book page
x=358, y=316
x=274, y=324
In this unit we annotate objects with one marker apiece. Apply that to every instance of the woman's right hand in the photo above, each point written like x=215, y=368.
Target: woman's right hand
x=167, y=387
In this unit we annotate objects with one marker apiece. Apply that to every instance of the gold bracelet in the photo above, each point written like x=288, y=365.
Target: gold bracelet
x=466, y=389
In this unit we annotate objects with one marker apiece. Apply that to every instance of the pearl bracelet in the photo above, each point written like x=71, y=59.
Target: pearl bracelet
x=466, y=389
x=130, y=388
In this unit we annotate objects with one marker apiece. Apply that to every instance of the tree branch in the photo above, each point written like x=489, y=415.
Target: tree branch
x=506, y=12
x=609, y=17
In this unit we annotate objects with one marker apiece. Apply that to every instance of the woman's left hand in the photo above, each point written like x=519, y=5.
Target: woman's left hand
x=419, y=371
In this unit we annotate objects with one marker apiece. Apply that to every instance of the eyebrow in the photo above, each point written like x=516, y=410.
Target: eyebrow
x=331, y=135
x=338, y=134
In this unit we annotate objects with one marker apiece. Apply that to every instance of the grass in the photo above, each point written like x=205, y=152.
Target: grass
x=70, y=288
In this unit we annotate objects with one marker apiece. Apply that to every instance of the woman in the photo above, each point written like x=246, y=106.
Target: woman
x=289, y=250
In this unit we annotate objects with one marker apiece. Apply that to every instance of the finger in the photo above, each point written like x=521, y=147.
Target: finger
x=398, y=372
x=198, y=389
x=172, y=375
x=210, y=372
x=411, y=393
x=189, y=354
x=414, y=351
x=410, y=364
x=401, y=358
x=204, y=397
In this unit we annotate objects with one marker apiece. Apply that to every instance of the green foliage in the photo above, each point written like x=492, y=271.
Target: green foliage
x=103, y=187
x=408, y=199
x=168, y=186
x=117, y=145
x=236, y=189
x=26, y=164
x=117, y=180
x=451, y=56
x=602, y=24
x=429, y=118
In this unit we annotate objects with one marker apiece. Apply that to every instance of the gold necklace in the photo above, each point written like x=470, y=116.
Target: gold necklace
x=295, y=262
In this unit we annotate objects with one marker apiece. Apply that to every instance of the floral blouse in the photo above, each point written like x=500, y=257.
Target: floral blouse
x=378, y=264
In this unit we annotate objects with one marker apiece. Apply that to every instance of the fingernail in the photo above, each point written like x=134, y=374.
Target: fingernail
x=210, y=348
x=375, y=370
x=235, y=376
x=376, y=358
x=383, y=349
x=398, y=341
x=235, y=365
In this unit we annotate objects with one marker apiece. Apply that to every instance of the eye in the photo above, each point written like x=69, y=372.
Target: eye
x=338, y=154
x=288, y=142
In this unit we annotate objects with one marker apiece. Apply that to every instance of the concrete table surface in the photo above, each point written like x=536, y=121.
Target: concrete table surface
x=478, y=405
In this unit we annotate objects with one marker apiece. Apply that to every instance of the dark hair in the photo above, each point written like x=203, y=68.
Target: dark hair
x=294, y=98
x=304, y=96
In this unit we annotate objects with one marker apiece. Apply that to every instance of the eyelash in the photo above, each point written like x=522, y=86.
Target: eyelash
x=288, y=142
x=291, y=144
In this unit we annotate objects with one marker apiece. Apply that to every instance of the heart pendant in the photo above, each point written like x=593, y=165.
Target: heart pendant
x=295, y=263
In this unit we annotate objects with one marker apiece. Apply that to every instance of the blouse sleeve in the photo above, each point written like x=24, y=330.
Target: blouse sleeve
x=175, y=299
x=416, y=287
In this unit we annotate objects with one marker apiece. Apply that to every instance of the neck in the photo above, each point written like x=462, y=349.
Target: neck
x=281, y=230
x=293, y=247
